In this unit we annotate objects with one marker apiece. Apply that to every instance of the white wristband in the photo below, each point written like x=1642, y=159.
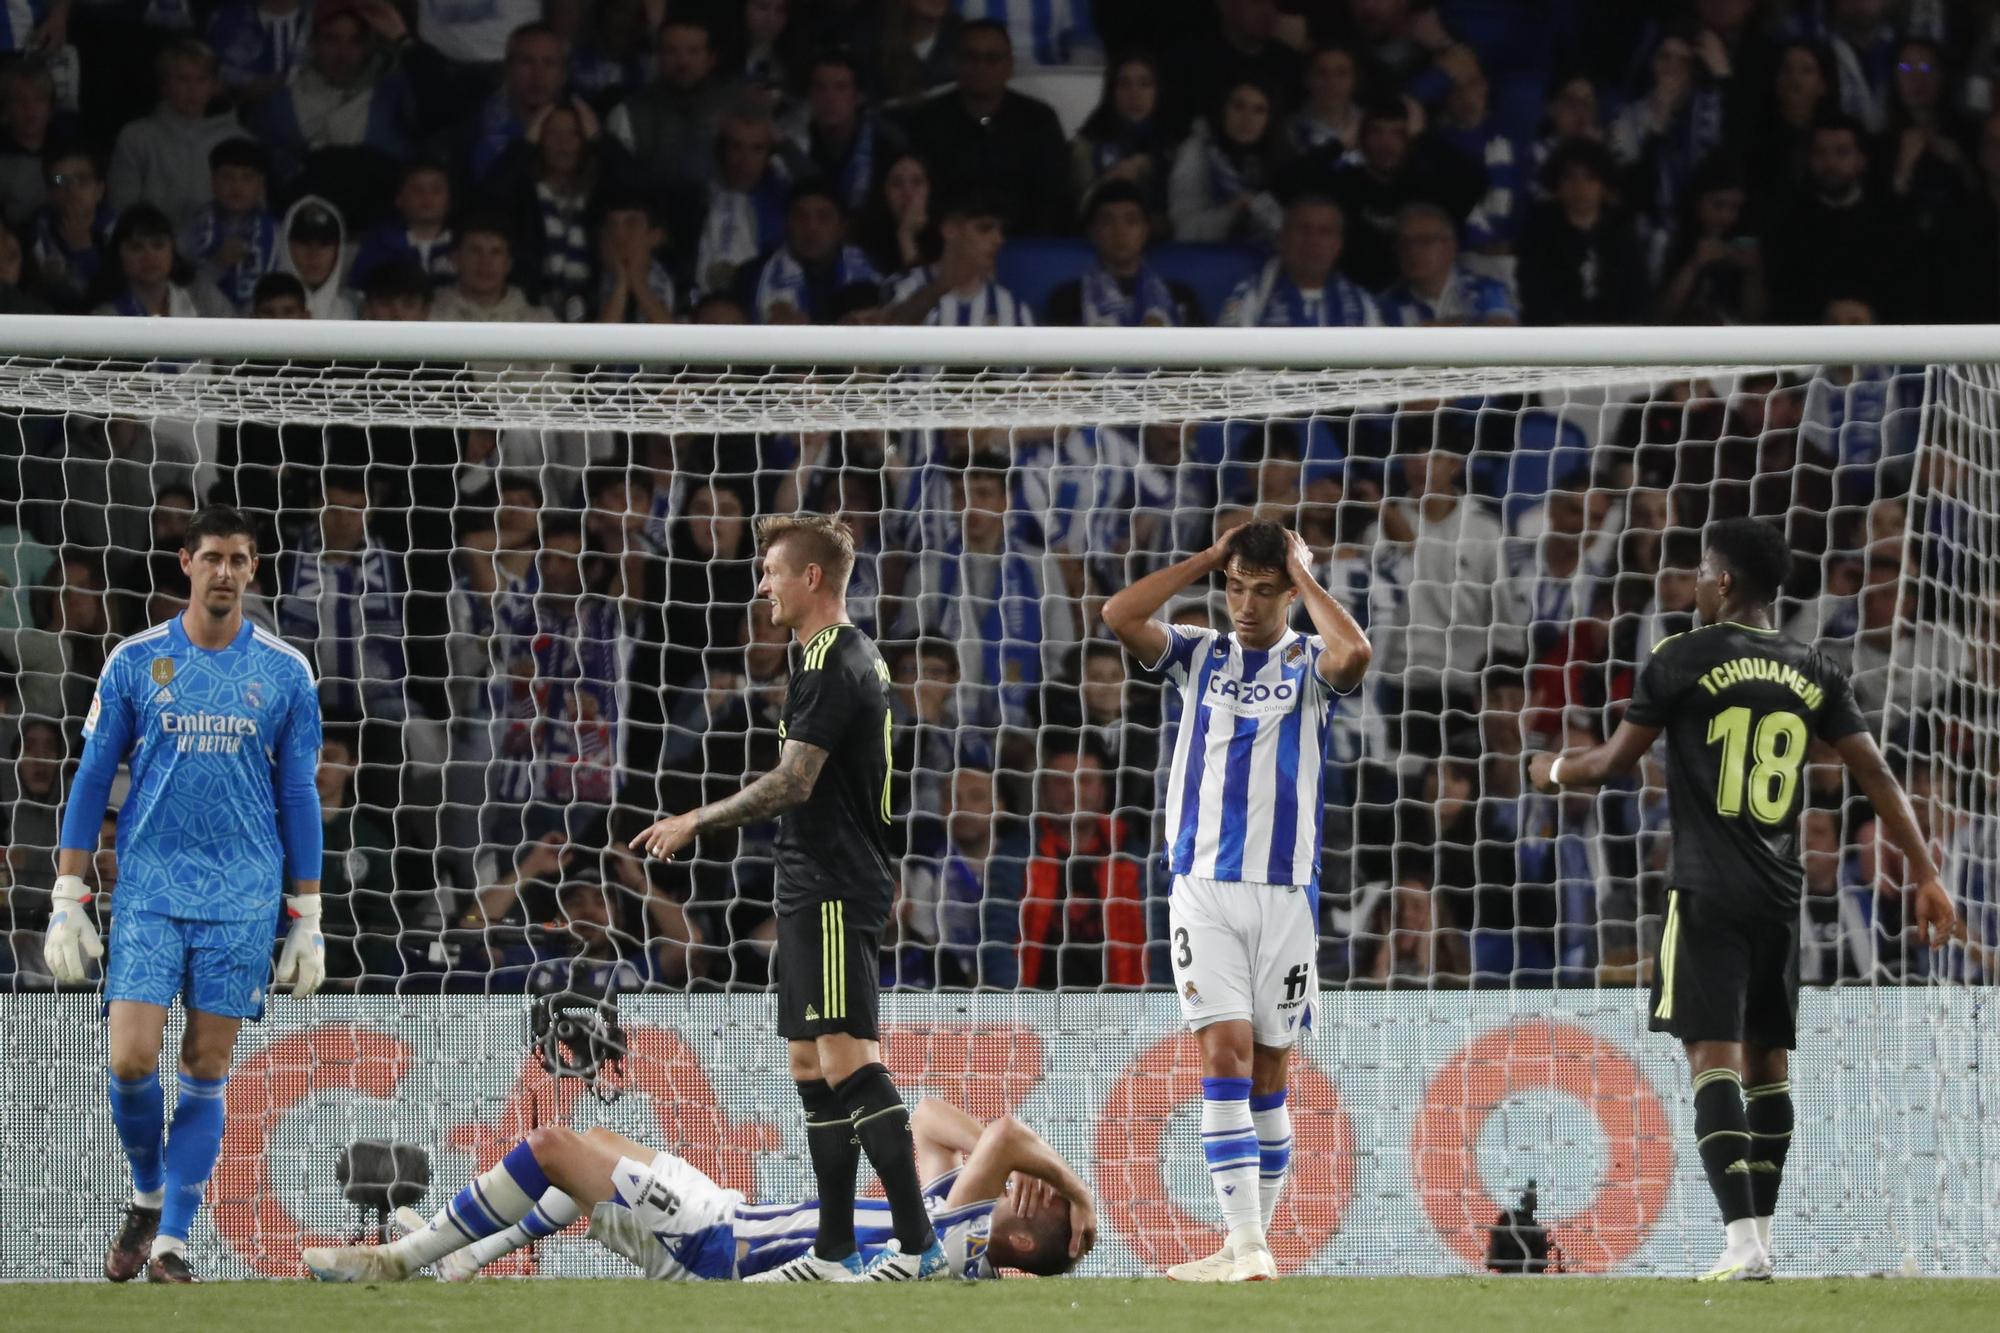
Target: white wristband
x=303, y=906
x=1555, y=772
x=71, y=889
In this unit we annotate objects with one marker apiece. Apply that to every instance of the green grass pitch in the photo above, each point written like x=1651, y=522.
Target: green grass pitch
x=1326, y=1305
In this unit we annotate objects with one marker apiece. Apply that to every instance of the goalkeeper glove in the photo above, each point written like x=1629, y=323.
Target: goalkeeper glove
x=72, y=934
x=303, y=962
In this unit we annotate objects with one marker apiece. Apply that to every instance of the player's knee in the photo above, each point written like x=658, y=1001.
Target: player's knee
x=805, y=1062
x=133, y=1064
x=599, y=1135
x=550, y=1142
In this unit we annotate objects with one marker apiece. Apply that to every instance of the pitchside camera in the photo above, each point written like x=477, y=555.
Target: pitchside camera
x=1516, y=1242
x=379, y=1177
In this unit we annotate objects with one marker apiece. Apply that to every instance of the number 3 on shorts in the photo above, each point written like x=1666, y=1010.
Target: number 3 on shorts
x=1185, y=957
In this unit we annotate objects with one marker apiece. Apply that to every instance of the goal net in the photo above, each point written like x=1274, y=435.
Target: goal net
x=522, y=563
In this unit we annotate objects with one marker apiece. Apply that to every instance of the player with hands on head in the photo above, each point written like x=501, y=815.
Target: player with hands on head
x=1244, y=793
x=219, y=722
x=998, y=1195
x=835, y=890
x=1740, y=705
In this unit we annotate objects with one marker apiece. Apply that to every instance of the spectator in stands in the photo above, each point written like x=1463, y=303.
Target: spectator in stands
x=1083, y=920
x=279, y=296
x=1837, y=236
x=531, y=81
x=1301, y=286
x=72, y=232
x=585, y=951
x=919, y=38
x=1835, y=943
x=1659, y=139
x=362, y=926
x=33, y=830
x=839, y=138
x=60, y=652
x=674, y=941
x=1331, y=114
x=960, y=907
x=1467, y=123
x=1862, y=43
x=1580, y=260
x=1112, y=718
x=162, y=159
x=633, y=284
x=761, y=55
x=746, y=196
x=420, y=233
x=892, y=228
x=981, y=134
x=396, y=290
x=1714, y=264
x=711, y=578
x=1240, y=40
x=960, y=289
x=934, y=736
x=508, y=898
x=1572, y=113
x=669, y=127
x=27, y=124
x=316, y=252
x=609, y=56
x=233, y=240
x=475, y=38
x=1390, y=170
x=550, y=186
x=356, y=90
x=1121, y=290
x=983, y=591
x=1435, y=288
x=146, y=275
x=1932, y=186
x=1776, y=142
x=257, y=44
x=484, y=258
x=13, y=267
x=1448, y=548
x=804, y=280
x=1409, y=947
x=1124, y=139
x=1226, y=174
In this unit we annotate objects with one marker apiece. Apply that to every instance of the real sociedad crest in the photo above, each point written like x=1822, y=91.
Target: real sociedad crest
x=1295, y=654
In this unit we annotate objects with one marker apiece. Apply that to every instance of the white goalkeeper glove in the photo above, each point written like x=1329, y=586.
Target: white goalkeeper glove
x=302, y=965
x=72, y=935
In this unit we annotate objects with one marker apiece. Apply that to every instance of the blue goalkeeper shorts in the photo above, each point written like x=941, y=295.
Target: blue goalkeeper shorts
x=218, y=967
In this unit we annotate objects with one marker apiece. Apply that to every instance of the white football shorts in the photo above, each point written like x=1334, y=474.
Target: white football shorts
x=1245, y=951
x=665, y=1210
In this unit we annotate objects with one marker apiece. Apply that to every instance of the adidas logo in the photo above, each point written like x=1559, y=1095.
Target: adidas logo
x=812, y=1014
x=164, y=697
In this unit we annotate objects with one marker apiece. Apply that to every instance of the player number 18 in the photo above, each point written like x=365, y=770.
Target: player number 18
x=1779, y=752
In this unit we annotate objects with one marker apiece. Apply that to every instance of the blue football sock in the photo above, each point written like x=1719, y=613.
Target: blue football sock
x=192, y=1147
x=139, y=1110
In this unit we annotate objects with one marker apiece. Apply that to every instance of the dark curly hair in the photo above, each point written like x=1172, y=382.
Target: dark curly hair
x=1260, y=545
x=1755, y=553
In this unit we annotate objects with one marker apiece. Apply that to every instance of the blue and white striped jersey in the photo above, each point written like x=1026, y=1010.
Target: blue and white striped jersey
x=1248, y=779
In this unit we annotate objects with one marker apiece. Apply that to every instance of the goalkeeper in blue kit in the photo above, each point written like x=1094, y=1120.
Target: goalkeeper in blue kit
x=219, y=721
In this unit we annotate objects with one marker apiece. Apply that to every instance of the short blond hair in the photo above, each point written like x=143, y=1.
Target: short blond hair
x=821, y=539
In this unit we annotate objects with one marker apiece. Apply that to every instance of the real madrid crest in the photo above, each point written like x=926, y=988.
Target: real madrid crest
x=163, y=671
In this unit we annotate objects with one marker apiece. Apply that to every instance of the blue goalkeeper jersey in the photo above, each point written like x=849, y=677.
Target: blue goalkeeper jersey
x=223, y=746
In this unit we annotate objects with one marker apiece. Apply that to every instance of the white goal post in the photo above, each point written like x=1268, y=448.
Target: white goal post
x=546, y=635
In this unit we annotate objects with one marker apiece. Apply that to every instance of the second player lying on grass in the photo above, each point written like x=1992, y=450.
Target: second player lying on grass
x=998, y=1194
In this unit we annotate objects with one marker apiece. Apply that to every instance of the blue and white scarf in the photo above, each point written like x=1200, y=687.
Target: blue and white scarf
x=784, y=280
x=565, y=252
x=259, y=232
x=856, y=176
x=999, y=629
x=1107, y=305
x=347, y=615
x=1273, y=300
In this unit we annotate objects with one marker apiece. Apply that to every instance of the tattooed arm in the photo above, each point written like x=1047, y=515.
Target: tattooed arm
x=783, y=788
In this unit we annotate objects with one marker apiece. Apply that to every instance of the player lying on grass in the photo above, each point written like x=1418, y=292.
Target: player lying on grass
x=998, y=1195
x=1739, y=703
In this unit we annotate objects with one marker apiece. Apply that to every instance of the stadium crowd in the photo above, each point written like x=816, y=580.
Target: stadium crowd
x=531, y=642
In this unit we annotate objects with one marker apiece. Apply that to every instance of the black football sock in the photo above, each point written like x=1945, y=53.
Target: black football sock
x=1767, y=1110
x=882, y=1123
x=836, y=1156
x=1722, y=1135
